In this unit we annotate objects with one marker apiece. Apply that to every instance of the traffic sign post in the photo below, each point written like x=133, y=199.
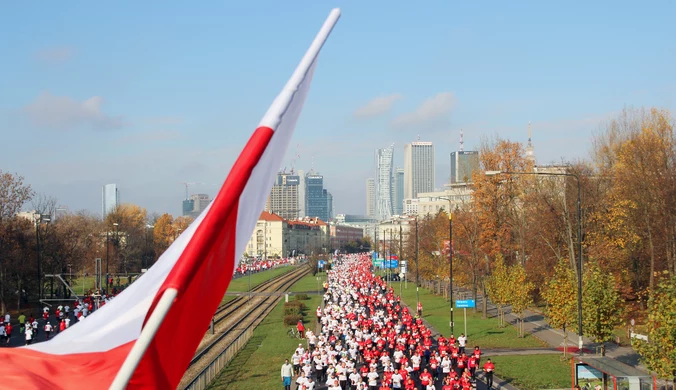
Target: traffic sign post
x=465, y=304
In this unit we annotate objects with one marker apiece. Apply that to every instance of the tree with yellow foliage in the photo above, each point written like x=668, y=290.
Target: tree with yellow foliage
x=163, y=233
x=561, y=297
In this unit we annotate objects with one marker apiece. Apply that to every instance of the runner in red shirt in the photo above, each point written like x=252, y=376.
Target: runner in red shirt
x=489, y=367
x=301, y=329
x=425, y=378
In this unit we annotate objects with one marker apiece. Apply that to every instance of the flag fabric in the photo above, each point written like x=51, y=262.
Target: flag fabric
x=199, y=264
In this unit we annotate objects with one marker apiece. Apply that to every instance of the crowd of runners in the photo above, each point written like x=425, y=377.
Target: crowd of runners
x=370, y=340
x=30, y=329
x=261, y=265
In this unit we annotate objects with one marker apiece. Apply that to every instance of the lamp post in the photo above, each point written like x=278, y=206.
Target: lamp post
x=450, y=257
x=38, y=220
x=108, y=250
x=417, y=280
x=579, y=240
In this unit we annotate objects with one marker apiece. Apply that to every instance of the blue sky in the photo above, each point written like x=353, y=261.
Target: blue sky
x=151, y=94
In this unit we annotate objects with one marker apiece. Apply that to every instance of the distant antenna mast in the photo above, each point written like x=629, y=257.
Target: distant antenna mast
x=462, y=142
x=418, y=137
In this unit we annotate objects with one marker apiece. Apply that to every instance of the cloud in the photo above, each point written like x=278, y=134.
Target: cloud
x=377, y=106
x=55, y=54
x=431, y=111
x=163, y=121
x=63, y=112
x=149, y=136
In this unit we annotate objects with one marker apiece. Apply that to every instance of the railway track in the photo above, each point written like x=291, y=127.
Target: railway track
x=233, y=319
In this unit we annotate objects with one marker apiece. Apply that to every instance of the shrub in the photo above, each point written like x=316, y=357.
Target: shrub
x=300, y=305
x=292, y=319
x=292, y=310
x=301, y=297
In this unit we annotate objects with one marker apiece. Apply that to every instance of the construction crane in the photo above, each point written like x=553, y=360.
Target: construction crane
x=295, y=157
x=189, y=184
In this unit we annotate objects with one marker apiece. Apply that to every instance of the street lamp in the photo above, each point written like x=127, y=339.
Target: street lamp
x=38, y=220
x=450, y=256
x=579, y=239
x=108, y=250
x=417, y=280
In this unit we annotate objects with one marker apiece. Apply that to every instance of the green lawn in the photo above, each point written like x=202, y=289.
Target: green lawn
x=257, y=365
x=531, y=372
x=482, y=332
x=242, y=283
x=309, y=283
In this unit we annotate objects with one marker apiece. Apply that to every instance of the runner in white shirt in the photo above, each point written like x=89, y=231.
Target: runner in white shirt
x=396, y=380
x=373, y=378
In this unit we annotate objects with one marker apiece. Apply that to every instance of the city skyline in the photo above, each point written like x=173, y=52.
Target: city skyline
x=104, y=113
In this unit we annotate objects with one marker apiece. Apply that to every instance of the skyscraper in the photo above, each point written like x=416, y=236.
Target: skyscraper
x=398, y=192
x=189, y=208
x=463, y=165
x=200, y=203
x=371, y=197
x=418, y=168
x=302, y=212
x=110, y=199
x=384, y=182
x=315, y=202
x=283, y=199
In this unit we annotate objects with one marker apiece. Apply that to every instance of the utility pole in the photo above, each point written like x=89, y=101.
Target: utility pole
x=450, y=250
x=417, y=280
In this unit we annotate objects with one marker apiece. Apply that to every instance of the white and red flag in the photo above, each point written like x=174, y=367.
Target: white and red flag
x=150, y=332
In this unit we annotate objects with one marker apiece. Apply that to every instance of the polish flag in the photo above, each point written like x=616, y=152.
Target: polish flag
x=177, y=297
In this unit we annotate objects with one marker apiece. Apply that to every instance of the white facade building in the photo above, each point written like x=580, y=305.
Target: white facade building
x=418, y=168
x=371, y=197
x=384, y=182
x=301, y=194
x=110, y=199
x=432, y=202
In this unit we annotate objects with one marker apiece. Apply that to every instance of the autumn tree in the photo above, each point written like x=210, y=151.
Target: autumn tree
x=163, y=233
x=467, y=242
x=499, y=288
x=182, y=223
x=519, y=293
x=601, y=304
x=128, y=224
x=561, y=297
x=658, y=353
x=13, y=195
x=494, y=196
x=636, y=154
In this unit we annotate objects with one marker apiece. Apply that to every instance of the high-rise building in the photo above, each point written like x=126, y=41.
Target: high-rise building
x=371, y=209
x=200, y=203
x=110, y=199
x=302, y=212
x=283, y=199
x=398, y=192
x=316, y=205
x=463, y=165
x=329, y=205
x=189, y=208
x=418, y=168
x=384, y=182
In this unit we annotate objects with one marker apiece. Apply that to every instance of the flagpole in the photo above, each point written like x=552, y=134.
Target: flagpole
x=147, y=334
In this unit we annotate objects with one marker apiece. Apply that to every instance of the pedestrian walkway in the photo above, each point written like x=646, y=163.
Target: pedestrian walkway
x=536, y=324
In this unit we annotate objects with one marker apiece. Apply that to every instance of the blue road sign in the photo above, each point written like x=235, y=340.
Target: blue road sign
x=391, y=263
x=466, y=304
